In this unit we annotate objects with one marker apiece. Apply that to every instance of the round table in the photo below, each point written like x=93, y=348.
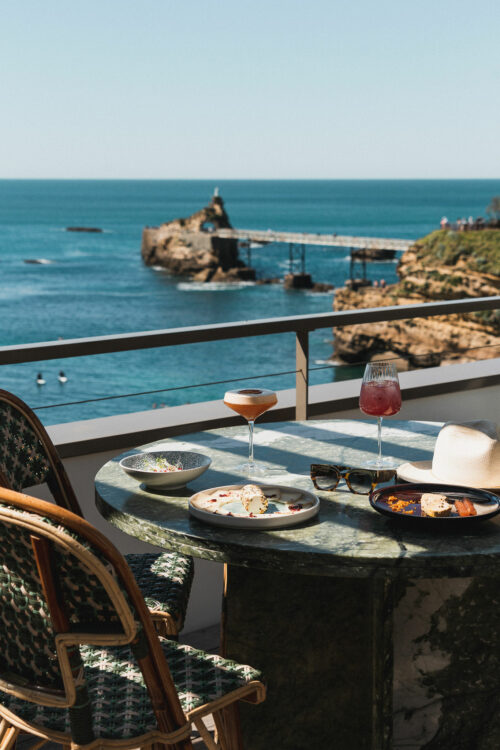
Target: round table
x=368, y=632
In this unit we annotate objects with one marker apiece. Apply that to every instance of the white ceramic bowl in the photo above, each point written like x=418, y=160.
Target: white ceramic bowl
x=146, y=467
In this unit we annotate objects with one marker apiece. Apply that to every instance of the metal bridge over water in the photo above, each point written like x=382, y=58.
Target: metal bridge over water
x=324, y=240
x=298, y=241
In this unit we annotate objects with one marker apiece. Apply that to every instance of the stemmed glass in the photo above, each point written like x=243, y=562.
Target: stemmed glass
x=380, y=397
x=250, y=403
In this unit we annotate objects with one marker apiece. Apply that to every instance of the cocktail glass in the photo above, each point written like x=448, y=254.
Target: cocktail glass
x=250, y=403
x=380, y=397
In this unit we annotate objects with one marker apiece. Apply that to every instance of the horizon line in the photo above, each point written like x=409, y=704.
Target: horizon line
x=247, y=179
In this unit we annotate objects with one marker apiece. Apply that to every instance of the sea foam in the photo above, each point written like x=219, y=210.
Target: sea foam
x=213, y=286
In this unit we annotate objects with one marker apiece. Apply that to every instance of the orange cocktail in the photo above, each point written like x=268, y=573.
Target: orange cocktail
x=250, y=403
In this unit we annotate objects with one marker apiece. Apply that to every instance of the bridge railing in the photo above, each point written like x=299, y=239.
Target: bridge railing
x=308, y=238
x=301, y=325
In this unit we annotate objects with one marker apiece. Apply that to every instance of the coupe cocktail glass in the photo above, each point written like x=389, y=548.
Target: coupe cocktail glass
x=380, y=397
x=250, y=403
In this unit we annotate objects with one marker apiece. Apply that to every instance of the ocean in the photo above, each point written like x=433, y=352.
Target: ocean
x=96, y=284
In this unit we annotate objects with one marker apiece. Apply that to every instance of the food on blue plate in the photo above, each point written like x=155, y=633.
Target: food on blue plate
x=465, y=507
x=435, y=505
x=400, y=506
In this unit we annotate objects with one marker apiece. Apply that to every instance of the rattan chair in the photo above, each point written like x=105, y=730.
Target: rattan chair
x=80, y=660
x=29, y=458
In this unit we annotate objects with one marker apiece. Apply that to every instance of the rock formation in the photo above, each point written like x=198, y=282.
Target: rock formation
x=189, y=247
x=373, y=253
x=444, y=265
x=298, y=281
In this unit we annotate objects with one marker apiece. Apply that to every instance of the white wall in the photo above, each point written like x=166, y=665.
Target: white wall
x=482, y=403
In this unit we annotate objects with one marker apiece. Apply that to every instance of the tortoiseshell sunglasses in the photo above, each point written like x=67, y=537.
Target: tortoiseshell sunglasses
x=359, y=481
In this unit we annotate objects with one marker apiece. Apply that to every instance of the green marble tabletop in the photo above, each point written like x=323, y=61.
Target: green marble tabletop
x=347, y=539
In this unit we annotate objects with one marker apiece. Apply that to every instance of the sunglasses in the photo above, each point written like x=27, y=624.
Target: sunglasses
x=359, y=481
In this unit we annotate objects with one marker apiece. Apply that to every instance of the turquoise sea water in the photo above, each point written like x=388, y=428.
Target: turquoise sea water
x=96, y=284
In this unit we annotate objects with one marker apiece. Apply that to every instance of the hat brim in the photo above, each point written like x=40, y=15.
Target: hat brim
x=421, y=471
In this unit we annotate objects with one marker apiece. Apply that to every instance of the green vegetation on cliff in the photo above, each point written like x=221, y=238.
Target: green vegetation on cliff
x=480, y=250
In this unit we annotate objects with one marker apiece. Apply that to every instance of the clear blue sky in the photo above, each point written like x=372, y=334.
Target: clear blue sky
x=249, y=89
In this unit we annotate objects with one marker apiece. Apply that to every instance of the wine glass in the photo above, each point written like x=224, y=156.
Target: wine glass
x=250, y=403
x=380, y=397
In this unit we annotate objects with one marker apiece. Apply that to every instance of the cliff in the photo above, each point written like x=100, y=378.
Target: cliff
x=188, y=246
x=444, y=265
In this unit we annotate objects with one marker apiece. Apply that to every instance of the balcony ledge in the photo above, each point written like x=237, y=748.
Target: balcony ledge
x=327, y=400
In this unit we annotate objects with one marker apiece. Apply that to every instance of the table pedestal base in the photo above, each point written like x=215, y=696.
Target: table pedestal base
x=367, y=664
x=320, y=643
x=446, y=664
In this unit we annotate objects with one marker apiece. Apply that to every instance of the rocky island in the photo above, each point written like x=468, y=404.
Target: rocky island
x=444, y=265
x=190, y=247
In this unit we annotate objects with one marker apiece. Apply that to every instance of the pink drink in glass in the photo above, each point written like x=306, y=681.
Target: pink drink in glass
x=380, y=398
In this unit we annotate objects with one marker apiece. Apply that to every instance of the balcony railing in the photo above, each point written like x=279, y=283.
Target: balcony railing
x=301, y=325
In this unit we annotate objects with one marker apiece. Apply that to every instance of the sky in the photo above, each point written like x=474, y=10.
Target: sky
x=276, y=89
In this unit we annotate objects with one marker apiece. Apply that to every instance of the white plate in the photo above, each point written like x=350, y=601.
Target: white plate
x=279, y=512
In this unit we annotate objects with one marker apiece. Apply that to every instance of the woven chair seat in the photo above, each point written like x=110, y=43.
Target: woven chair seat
x=165, y=581
x=120, y=702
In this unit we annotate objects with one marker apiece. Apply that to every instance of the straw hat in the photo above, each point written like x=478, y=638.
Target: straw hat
x=466, y=453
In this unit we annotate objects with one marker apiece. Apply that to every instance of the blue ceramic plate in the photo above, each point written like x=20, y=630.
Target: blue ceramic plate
x=486, y=504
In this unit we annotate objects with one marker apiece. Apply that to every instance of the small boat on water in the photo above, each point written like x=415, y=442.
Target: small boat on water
x=62, y=377
x=38, y=261
x=83, y=229
x=39, y=379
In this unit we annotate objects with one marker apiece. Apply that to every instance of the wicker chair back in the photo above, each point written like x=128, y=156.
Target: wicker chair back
x=27, y=455
x=29, y=458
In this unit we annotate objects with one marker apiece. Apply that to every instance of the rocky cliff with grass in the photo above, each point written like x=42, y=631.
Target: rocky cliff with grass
x=444, y=265
x=189, y=246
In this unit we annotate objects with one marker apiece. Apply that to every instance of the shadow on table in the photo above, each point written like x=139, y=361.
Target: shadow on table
x=289, y=460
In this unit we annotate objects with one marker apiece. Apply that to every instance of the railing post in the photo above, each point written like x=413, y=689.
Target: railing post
x=302, y=374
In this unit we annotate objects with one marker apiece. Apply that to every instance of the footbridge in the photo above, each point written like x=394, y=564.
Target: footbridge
x=305, y=238
x=362, y=249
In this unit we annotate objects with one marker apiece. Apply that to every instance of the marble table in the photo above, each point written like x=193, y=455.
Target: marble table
x=371, y=634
